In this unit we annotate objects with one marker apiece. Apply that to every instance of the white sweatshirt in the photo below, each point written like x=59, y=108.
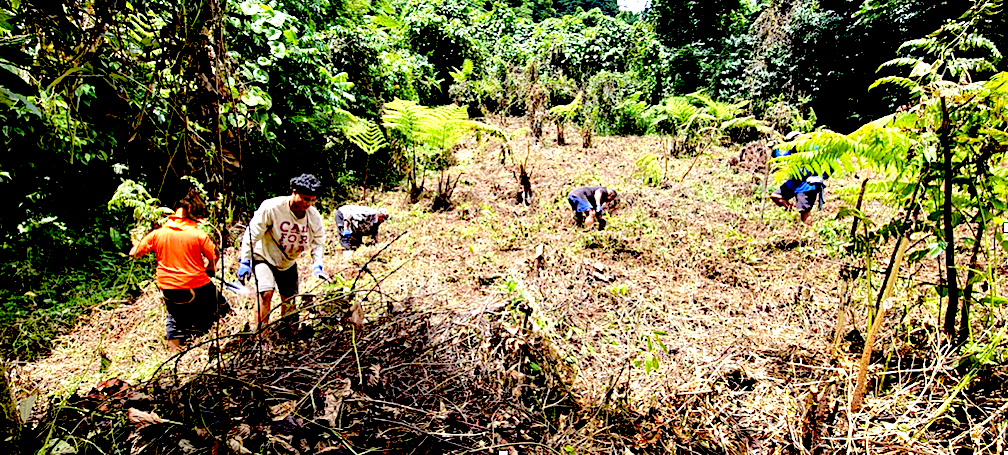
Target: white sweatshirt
x=279, y=237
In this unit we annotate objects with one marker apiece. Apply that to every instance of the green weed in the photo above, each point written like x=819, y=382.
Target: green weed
x=832, y=233
x=31, y=321
x=649, y=355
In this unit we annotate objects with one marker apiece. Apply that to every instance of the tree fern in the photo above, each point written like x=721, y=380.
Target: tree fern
x=679, y=110
x=648, y=169
x=749, y=121
x=147, y=209
x=365, y=134
x=405, y=117
x=462, y=74
x=719, y=110
x=911, y=85
x=443, y=127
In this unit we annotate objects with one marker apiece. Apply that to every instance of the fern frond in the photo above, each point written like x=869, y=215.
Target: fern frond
x=146, y=208
x=632, y=104
x=366, y=134
x=973, y=65
x=679, y=109
x=722, y=111
x=875, y=190
x=340, y=118
x=443, y=126
x=448, y=113
x=741, y=122
x=649, y=169
x=462, y=74
x=387, y=22
x=130, y=194
x=405, y=117
x=998, y=83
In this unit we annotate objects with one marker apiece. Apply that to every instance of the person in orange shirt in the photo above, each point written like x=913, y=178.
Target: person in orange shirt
x=185, y=263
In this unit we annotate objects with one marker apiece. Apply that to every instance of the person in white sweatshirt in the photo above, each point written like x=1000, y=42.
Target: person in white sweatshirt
x=278, y=232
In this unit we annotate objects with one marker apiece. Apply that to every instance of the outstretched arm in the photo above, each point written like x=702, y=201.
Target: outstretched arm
x=144, y=246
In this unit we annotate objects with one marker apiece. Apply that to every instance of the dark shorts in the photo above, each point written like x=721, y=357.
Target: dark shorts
x=350, y=242
x=285, y=281
x=578, y=205
x=803, y=201
x=192, y=312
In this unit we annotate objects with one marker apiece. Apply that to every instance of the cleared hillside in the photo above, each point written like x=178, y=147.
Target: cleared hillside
x=692, y=322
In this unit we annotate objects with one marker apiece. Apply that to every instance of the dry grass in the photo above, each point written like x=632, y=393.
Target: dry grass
x=680, y=327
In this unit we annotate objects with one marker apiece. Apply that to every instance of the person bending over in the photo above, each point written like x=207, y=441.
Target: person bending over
x=591, y=202
x=805, y=189
x=356, y=222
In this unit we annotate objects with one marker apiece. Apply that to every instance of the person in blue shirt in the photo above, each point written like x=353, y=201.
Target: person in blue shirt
x=804, y=190
x=591, y=202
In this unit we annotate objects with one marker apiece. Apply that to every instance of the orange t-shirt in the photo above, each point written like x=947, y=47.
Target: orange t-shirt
x=180, y=248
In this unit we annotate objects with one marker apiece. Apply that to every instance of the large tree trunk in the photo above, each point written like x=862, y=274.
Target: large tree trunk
x=10, y=419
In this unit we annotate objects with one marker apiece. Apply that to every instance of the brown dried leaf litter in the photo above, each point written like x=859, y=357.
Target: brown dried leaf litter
x=496, y=325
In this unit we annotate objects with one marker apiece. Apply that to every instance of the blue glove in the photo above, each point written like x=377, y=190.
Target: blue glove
x=244, y=269
x=347, y=232
x=317, y=272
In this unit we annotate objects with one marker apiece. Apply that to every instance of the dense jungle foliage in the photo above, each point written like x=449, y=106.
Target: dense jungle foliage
x=243, y=94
